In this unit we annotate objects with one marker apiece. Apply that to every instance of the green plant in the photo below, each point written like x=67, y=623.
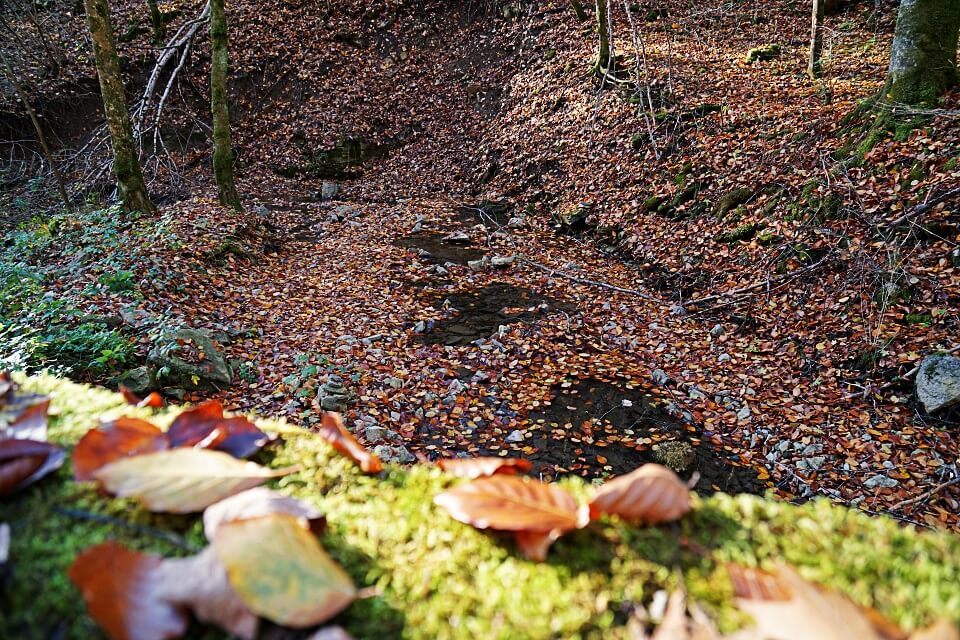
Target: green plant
x=118, y=281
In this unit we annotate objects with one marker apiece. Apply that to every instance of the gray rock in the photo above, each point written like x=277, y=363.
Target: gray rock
x=660, y=376
x=744, y=412
x=501, y=262
x=394, y=454
x=333, y=396
x=477, y=265
x=375, y=434
x=329, y=190
x=261, y=211
x=717, y=330
x=516, y=223
x=813, y=463
x=140, y=380
x=394, y=382
x=515, y=436
x=881, y=482
x=189, y=358
x=938, y=382
x=723, y=357
x=457, y=237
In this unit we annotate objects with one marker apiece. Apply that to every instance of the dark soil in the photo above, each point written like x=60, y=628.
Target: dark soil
x=440, y=250
x=481, y=312
x=491, y=214
x=590, y=418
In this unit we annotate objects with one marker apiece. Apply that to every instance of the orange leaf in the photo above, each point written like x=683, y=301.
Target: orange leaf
x=119, y=587
x=535, y=544
x=510, y=503
x=23, y=462
x=205, y=426
x=333, y=431
x=471, y=468
x=153, y=400
x=652, y=494
x=114, y=440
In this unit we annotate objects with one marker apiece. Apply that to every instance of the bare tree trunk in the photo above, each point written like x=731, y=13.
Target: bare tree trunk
x=222, y=150
x=156, y=19
x=578, y=9
x=923, y=58
x=126, y=164
x=814, y=66
x=11, y=76
x=603, y=30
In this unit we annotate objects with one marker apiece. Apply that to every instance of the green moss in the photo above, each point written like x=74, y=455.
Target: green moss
x=763, y=54
x=436, y=578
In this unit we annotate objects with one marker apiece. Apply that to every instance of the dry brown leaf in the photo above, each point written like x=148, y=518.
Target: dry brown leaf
x=112, y=441
x=206, y=427
x=333, y=431
x=200, y=583
x=31, y=424
x=257, y=502
x=23, y=462
x=153, y=399
x=119, y=587
x=650, y=494
x=183, y=480
x=472, y=468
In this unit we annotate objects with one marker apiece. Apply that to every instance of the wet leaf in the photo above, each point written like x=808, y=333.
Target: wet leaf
x=333, y=431
x=200, y=583
x=206, y=427
x=119, y=587
x=281, y=572
x=182, y=480
x=257, y=502
x=471, y=468
x=651, y=494
x=153, y=399
x=23, y=462
x=112, y=441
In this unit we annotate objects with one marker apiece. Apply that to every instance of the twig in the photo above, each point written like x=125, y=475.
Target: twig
x=759, y=285
x=924, y=207
x=925, y=496
x=595, y=283
x=868, y=389
x=168, y=536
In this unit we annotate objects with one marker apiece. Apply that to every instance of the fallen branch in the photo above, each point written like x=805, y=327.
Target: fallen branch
x=927, y=495
x=594, y=283
x=924, y=207
x=759, y=285
x=869, y=389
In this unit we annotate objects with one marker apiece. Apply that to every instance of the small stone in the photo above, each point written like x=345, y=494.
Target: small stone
x=812, y=463
x=516, y=223
x=678, y=310
x=659, y=376
x=881, y=482
x=420, y=327
x=717, y=330
x=744, y=412
x=457, y=237
x=394, y=382
x=329, y=190
x=416, y=228
x=476, y=265
x=723, y=357
x=501, y=262
x=515, y=436
x=394, y=454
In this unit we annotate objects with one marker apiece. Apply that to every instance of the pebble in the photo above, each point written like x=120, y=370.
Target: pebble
x=881, y=482
x=515, y=436
x=717, y=330
x=723, y=357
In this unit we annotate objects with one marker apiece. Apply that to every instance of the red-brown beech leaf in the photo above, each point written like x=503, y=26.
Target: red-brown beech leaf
x=206, y=427
x=472, y=468
x=333, y=431
x=651, y=494
x=119, y=587
x=535, y=544
x=153, y=399
x=23, y=462
x=511, y=503
x=31, y=424
x=111, y=441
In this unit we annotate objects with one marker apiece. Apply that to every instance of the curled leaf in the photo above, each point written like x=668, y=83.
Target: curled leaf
x=182, y=480
x=471, y=468
x=281, y=572
x=112, y=441
x=119, y=587
x=31, y=423
x=651, y=494
x=333, y=431
x=153, y=399
x=206, y=427
x=23, y=462
x=257, y=502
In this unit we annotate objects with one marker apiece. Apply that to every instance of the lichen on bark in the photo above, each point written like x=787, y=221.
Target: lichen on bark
x=923, y=57
x=222, y=149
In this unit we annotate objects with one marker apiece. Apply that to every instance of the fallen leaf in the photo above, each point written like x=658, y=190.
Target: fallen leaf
x=333, y=431
x=182, y=480
x=281, y=572
x=112, y=441
x=119, y=587
x=471, y=468
x=23, y=462
x=153, y=399
x=939, y=630
x=651, y=494
x=787, y=607
x=537, y=513
x=206, y=427
x=31, y=424
x=257, y=502
x=200, y=583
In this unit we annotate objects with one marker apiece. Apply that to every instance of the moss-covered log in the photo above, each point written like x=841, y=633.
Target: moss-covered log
x=222, y=148
x=126, y=163
x=435, y=578
x=923, y=57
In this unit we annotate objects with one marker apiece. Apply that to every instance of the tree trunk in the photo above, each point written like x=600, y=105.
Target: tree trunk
x=222, y=151
x=42, y=139
x=603, y=29
x=156, y=19
x=923, y=58
x=578, y=9
x=814, y=66
x=126, y=164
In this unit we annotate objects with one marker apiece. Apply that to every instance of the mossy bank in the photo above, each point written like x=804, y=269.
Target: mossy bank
x=435, y=578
